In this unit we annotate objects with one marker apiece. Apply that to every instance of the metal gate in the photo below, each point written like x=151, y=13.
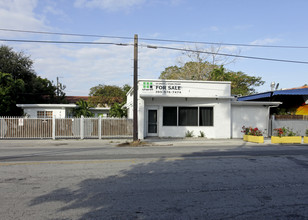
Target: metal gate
x=55, y=128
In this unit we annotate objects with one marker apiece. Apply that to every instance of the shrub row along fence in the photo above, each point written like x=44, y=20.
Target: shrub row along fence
x=55, y=128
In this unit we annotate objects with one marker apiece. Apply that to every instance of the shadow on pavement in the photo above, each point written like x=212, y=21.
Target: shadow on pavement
x=188, y=188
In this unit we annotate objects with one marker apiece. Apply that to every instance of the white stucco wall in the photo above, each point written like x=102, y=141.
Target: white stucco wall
x=155, y=94
x=58, y=110
x=249, y=115
x=228, y=118
x=32, y=112
x=221, y=113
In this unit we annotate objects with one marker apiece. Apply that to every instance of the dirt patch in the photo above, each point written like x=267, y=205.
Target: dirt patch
x=134, y=144
x=60, y=144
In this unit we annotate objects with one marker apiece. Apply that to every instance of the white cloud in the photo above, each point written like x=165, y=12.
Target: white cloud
x=110, y=5
x=79, y=66
x=19, y=14
x=265, y=41
x=214, y=28
x=52, y=9
x=82, y=67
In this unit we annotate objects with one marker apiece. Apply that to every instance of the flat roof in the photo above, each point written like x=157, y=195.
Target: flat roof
x=46, y=105
x=56, y=106
x=275, y=104
x=179, y=81
x=188, y=97
x=185, y=81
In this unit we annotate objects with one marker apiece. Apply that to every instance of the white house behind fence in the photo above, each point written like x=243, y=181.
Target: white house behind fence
x=171, y=108
x=57, y=110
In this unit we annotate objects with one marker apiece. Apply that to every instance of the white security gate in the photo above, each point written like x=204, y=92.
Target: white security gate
x=53, y=128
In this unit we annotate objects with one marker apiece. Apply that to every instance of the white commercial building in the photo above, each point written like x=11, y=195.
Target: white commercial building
x=171, y=108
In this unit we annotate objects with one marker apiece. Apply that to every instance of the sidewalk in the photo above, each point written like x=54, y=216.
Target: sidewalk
x=148, y=142
x=202, y=141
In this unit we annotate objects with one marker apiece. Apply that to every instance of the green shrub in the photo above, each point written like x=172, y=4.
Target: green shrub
x=282, y=132
x=202, y=134
x=189, y=134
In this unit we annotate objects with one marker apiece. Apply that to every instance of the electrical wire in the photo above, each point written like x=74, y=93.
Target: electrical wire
x=156, y=47
x=156, y=39
x=229, y=55
x=65, y=42
x=226, y=44
x=64, y=34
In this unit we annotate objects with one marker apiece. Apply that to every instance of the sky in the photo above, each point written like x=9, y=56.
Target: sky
x=82, y=66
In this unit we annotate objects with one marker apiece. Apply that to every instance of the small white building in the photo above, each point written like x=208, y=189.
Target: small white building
x=57, y=110
x=170, y=108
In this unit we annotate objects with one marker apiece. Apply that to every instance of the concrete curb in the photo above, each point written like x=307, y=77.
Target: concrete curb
x=147, y=142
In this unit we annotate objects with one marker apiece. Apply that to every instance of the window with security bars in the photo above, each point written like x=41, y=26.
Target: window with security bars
x=44, y=114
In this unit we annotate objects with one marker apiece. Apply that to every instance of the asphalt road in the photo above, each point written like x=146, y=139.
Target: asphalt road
x=91, y=181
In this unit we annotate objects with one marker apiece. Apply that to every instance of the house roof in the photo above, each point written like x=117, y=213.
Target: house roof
x=274, y=104
x=303, y=91
x=46, y=105
x=302, y=87
x=74, y=99
x=57, y=106
x=294, y=91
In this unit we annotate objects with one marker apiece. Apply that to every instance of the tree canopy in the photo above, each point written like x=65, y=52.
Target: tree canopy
x=241, y=83
x=189, y=71
x=10, y=91
x=107, y=94
x=20, y=82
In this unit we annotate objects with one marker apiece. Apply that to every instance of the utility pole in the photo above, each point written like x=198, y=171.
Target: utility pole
x=135, y=107
x=57, y=86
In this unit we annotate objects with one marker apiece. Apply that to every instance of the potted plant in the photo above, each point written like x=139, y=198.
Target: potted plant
x=306, y=137
x=252, y=135
x=285, y=136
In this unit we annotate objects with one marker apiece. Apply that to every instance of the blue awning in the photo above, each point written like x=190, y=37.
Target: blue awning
x=255, y=96
x=274, y=93
x=291, y=92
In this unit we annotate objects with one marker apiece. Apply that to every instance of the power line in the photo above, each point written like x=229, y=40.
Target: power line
x=156, y=47
x=156, y=39
x=224, y=54
x=65, y=34
x=227, y=44
x=64, y=42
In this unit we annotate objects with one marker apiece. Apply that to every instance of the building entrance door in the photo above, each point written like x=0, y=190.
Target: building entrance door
x=152, y=122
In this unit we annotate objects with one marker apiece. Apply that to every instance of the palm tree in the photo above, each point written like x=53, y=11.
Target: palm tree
x=82, y=109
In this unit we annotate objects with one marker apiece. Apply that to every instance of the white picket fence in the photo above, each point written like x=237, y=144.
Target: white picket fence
x=56, y=128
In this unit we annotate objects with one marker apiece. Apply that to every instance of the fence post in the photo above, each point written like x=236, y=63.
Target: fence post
x=82, y=127
x=54, y=127
x=100, y=127
x=1, y=128
x=272, y=124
